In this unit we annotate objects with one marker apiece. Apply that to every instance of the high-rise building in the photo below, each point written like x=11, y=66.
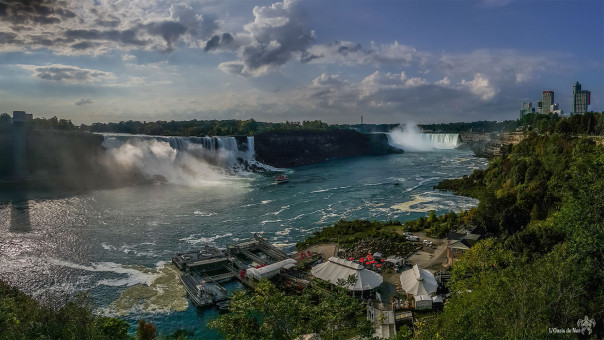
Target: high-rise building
x=526, y=108
x=548, y=100
x=581, y=99
x=539, y=106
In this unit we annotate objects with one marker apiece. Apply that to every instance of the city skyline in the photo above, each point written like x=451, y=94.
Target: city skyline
x=424, y=62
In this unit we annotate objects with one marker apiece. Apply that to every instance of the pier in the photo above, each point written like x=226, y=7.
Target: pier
x=205, y=269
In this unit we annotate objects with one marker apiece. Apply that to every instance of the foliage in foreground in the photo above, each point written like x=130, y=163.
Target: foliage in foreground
x=21, y=317
x=544, y=204
x=269, y=313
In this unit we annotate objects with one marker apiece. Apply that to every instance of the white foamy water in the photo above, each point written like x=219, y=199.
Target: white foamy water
x=411, y=138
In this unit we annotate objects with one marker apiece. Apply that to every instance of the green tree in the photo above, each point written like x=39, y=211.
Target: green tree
x=113, y=328
x=269, y=313
x=146, y=331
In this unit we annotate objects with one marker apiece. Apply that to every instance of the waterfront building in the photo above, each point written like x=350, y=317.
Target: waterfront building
x=581, y=99
x=548, y=100
x=526, y=108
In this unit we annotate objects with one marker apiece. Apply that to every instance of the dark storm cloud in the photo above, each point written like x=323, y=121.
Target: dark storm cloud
x=344, y=50
x=83, y=101
x=7, y=38
x=355, y=54
x=128, y=37
x=98, y=29
x=67, y=74
x=219, y=42
x=213, y=43
x=42, y=12
x=84, y=45
x=171, y=31
x=277, y=32
x=110, y=23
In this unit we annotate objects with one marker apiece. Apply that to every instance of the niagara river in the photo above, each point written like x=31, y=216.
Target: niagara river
x=117, y=244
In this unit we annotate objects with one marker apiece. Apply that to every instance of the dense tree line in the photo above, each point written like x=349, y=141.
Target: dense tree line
x=439, y=226
x=203, y=127
x=347, y=233
x=479, y=126
x=590, y=123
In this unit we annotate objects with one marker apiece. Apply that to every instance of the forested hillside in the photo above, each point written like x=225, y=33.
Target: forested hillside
x=543, y=268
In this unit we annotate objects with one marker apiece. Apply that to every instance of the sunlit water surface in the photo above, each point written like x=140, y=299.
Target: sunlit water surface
x=106, y=241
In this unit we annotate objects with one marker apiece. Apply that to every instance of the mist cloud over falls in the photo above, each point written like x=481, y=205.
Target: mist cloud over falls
x=157, y=160
x=411, y=138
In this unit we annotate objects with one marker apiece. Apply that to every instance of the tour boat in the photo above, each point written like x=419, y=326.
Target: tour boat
x=281, y=179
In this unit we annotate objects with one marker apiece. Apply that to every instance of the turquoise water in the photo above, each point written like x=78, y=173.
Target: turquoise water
x=106, y=241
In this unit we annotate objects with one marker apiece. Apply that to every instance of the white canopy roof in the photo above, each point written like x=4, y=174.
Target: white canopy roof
x=418, y=281
x=259, y=272
x=336, y=268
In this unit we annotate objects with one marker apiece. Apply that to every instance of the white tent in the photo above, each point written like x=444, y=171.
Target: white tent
x=269, y=271
x=418, y=281
x=336, y=268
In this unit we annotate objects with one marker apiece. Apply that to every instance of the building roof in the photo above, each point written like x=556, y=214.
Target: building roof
x=423, y=298
x=336, y=268
x=455, y=236
x=417, y=281
x=459, y=244
x=272, y=267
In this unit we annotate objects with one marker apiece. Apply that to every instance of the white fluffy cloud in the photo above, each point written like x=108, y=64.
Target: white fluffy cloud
x=378, y=81
x=480, y=86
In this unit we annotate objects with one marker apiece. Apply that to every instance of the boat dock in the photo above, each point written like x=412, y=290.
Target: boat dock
x=203, y=270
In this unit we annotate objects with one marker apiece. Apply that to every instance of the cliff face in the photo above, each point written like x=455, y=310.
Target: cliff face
x=61, y=160
x=294, y=148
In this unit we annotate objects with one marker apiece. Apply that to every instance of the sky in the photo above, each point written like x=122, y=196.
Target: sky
x=293, y=60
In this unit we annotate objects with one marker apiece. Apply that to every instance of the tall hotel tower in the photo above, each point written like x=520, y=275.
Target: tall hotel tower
x=581, y=99
x=548, y=101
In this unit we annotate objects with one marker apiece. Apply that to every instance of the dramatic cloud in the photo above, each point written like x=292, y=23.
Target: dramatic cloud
x=382, y=95
x=277, y=33
x=480, y=86
x=72, y=27
x=348, y=53
x=37, y=12
x=83, y=101
x=379, y=81
x=68, y=74
x=225, y=42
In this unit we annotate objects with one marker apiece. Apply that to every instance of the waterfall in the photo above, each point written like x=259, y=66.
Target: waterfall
x=182, y=160
x=444, y=140
x=411, y=138
x=251, y=151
